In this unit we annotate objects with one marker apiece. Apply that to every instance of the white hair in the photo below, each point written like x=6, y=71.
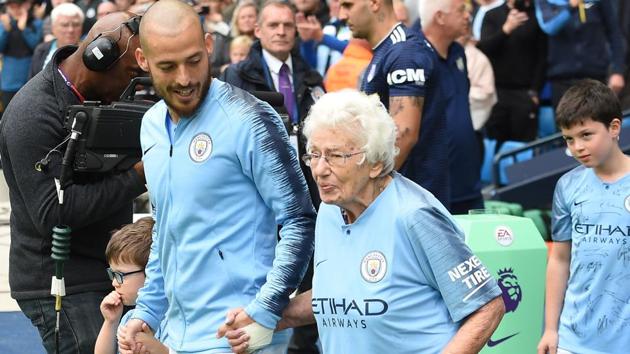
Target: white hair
x=67, y=9
x=363, y=117
x=428, y=8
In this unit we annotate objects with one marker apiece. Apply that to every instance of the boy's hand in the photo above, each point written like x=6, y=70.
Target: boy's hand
x=148, y=343
x=112, y=307
x=548, y=343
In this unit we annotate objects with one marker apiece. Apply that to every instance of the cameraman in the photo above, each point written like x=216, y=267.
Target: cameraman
x=517, y=49
x=32, y=130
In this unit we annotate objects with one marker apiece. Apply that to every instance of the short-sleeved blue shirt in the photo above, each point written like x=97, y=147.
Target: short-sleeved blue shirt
x=595, y=217
x=403, y=65
x=399, y=277
x=464, y=152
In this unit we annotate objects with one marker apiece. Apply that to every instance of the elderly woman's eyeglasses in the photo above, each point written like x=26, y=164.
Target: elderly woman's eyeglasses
x=334, y=159
x=120, y=276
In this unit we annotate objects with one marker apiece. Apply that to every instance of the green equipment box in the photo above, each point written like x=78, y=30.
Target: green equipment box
x=515, y=254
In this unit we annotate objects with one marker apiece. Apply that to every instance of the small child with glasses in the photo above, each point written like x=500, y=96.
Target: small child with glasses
x=127, y=254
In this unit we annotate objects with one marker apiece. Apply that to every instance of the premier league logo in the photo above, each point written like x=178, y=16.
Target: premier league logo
x=512, y=295
x=510, y=289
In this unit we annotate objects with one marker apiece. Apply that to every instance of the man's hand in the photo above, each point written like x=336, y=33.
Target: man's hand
x=148, y=343
x=23, y=17
x=514, y=20
x=616, y=83
x=309, y=27
x=40, y=10
x=112, y=307
x=548, y=343
x=127, y=337
x=235, y=319
x=6, y=21
x=238, y=340
x=139, y=167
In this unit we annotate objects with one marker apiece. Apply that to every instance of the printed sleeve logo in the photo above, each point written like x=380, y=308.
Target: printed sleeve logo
x=415, y=76
x=373, y=267
x=504, y=235
x=200, y=147
x=472, y=273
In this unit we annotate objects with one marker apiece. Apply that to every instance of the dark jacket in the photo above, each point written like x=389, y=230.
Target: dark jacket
x=518, y=59
x=584, y=50
x=252, y=74
x=220, y=52
x=32, y=126
x=39, y=56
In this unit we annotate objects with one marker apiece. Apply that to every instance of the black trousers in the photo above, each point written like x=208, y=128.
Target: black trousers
x=514, y=117
x=560, y=86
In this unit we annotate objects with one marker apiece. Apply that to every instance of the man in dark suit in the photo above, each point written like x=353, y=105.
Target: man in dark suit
x=274, y=63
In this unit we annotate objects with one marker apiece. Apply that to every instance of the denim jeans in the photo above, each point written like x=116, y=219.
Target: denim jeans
x=79, y=322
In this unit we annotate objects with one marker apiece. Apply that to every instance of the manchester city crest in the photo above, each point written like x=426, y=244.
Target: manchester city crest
x=373, y=267
x=626, y=203
x=460, y=64
x=200, y=147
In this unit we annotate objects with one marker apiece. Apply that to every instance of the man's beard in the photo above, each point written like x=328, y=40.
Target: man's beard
x=187, y=111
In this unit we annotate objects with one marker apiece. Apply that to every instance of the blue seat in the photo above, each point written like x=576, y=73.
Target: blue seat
x=546, y=121
x=486, y=168
x=504, y=163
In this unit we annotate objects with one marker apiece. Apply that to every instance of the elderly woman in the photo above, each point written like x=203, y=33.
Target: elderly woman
x=392, y=271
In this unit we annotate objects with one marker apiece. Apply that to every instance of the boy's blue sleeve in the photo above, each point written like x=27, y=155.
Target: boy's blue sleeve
x=440, y=250
x=268, y=158
x=407, y=68
x=561, y=214
x=552, y=18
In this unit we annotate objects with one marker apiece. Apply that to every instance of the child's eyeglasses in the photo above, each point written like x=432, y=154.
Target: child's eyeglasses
x=119, y=276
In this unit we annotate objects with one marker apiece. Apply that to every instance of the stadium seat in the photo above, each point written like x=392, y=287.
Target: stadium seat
x=504, y=163
x=542, y=220
x=546, y=121
x=486, y=168
x=501, y=207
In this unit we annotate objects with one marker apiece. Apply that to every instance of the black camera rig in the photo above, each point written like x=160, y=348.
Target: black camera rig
x=107, y=137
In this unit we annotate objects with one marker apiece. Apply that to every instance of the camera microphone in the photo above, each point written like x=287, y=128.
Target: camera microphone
x=68, y=158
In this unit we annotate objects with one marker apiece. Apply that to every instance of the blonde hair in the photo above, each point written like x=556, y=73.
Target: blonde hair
x=233, y=24
x=241, y=41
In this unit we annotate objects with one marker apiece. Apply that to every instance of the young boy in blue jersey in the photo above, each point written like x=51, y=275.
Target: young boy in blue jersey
x=127, y=254
x=588, y=275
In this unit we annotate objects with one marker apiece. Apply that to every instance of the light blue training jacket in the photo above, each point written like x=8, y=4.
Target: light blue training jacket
x=220, y=185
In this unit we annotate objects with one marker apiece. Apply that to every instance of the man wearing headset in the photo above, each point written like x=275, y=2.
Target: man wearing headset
x=31, y=131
